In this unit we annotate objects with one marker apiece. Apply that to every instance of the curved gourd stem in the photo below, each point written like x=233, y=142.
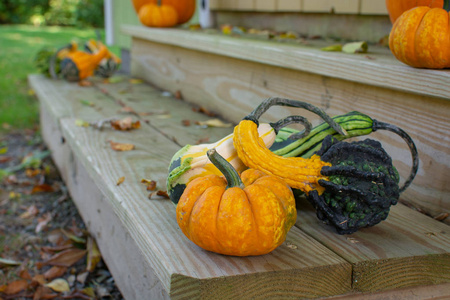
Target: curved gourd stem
x=412, y=147
x=231, y=175
x=53, y=60
x=290, y=120
x=447, y=5
x=266, y=104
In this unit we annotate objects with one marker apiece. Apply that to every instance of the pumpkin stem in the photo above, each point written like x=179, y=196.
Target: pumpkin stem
x=412, y=147
x=266, y=104
x=231, y=175
x=447, y=5
x=293, y=119
x=159, y=2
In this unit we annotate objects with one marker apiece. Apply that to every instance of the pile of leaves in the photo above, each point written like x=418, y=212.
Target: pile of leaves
x=45, y=250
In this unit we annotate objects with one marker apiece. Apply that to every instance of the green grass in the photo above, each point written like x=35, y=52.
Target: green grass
x=19, y=45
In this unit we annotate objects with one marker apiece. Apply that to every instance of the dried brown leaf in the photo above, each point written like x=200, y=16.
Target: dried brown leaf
x=38, y=279
x=120, y=180
x=121, y=146
x=84, y=83
x=65, y=258
x=127, y=110
x=151, y=184
x=214, y=123
x=55, y=272
x=42, y=188
x=163, y=194
x=125, y=124
x=43, y=222
x=30, y=173
x=16, y=287
x=24, y=274
x=186, y=123
x=43, y=292
x=59, y=285
x=31, y=211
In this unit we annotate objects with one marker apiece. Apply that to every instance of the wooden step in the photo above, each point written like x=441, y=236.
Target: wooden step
x=232, y=75
x=146, y=251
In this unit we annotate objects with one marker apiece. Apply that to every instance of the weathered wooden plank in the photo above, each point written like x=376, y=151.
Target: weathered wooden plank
x=327, y=6
x=234, y=87
x=380, y=68
x=407, y=249
x=176, y=266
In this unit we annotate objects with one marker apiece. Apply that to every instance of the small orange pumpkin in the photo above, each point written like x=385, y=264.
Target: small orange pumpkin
x=250, y=215
x=421, y=37
x=158, y=15
x=185, y=8
x=397, y=7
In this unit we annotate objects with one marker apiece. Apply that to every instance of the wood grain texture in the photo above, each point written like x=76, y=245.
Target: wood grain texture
x=379, y=69
x=172, y=265
x=233, y=87
x=407, y=249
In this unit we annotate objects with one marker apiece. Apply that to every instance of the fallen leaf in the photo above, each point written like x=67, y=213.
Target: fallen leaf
x=136, y=81
x=73, y=237
x=5, y=159
x=178, y=95
x=125, y=124
x=87, y=103
x=84, y=83
x=121, y=146
x=81, y=123
x=43, y=292
x=186, y=123
x=42, y=188
x=101, y=291
x=43, y=222
x=127, y=110
x=202, y=140
x=115, y=79
x=16, y=287
x=163, y=194
x=93, y=256
x=337, y=48
x=31, y=211
x=81, y=278
x=151, y=184
x=355, y=47
x=203, y=110
x=214, y=123
x=3, y=150
x=59, y=285
x=31, y=92
x=65, y=258
x=30, y=173
x=166, y=116
x=441, y=216
x=8, y=262
x=24, y=274
x=39, y=279
x=120, y=180
x=13, y=195
x=54, y=272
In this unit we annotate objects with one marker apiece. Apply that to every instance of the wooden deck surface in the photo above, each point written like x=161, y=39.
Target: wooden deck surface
x=142, y=244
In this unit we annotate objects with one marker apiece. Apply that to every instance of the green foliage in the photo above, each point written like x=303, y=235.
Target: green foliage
x=21, y=11
x=81, y=13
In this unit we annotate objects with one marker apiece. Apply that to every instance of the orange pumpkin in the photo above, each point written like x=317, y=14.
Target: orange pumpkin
x=397, y=7
x=421, y=37
x=158, y=15
x=239, y=216
x=185, y=8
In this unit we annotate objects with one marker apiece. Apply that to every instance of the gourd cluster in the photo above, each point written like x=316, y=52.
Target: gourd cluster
x=235, y=196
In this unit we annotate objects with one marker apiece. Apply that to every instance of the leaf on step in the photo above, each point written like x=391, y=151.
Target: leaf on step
x=87, y=103
x=186, y=123
x=81, y=123
x=15, y=287
x=336, y=48
x=151, y=184
x=125, y=124
x=93, y=256
x=136, y=81
x=84, y=83
x=42, y=188
x=114, y=79
x=8, y=262
x=65, y=258
x=120, y=180
x=214, y=123
x=126, y=110
x=121, y=146
x=55, y=272
x=355, y=47
x=59, y=285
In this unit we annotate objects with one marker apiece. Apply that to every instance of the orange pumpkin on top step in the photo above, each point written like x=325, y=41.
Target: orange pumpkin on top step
x=421, y=37
x=184, y=8
x=158, y=15
x=397, y=7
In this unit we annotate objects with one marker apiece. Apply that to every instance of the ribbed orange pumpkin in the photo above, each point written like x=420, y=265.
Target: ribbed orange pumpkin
x=397, y=7
x=158, y=15
x=421, y=37
x=185, y=8
x=249, y=216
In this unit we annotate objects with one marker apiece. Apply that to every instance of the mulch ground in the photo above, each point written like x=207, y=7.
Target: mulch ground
x=45, y=249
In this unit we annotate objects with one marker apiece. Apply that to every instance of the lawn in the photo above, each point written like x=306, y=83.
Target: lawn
x=19, y=45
